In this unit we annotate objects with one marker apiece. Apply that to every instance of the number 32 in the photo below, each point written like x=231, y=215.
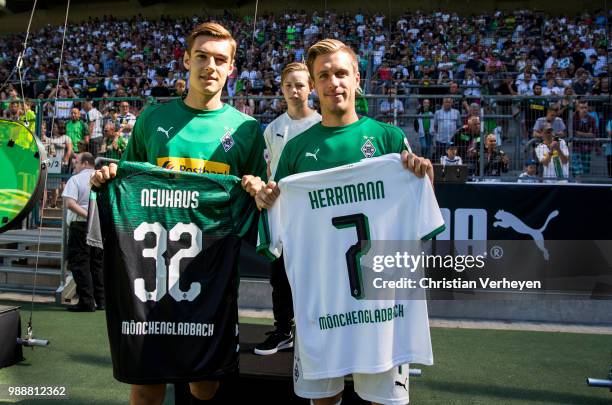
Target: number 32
x=173, y=272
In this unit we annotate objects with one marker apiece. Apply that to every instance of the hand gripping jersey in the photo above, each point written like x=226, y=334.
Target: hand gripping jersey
x=171, y=248
x=320, y=222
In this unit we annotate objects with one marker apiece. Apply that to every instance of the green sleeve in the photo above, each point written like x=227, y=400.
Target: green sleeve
x=135, y=151
x=399, y=141
x=283, y=169
x=255, y=163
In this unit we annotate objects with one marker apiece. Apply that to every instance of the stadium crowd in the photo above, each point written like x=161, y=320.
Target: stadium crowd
x=427, y=54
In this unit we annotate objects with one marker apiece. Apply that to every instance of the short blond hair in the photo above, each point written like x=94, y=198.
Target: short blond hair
x=327, y=46
x=211, y=29
x=294, y=67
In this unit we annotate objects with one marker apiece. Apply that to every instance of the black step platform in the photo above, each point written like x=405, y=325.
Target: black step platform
x=262, y=378
x=10, y=329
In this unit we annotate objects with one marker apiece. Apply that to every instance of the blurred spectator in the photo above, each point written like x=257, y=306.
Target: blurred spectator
x=13, y=111
x=445, y=124
x=584, y=128
x=459, y=101
x=602, y=86
x=391, y=105
x=551, y=118
x=93, y=87
x=28, y=117
x=160, y=88
x=180, y=87
x=530, y=173
x=566, y=102
x=582, y=86
x=525, y=85
x=495, y=160
x=62, y=107
x=242, y=106
x=552, y=89
x=472, y=85
x=451, y=157
x=473, y=110
x=424, y=125
x=506, y=88
x=126, y=119
x=58, y=146
x=114, y=144
x=77, y=131
x=112, y=117
x=94, y=119
x=534, y=108
x=553, y=154
x=467, y=135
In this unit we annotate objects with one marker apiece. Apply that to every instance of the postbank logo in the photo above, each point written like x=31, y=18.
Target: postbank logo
x=193, y=165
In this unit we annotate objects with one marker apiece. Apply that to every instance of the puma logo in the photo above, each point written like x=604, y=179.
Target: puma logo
x=400, y=384
x=313, y=155
x=508, y=220
x=160, y=129
x=281, y=135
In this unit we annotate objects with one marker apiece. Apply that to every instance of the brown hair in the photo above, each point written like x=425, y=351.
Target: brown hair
x=294, y=67
x=88, y=158
x=327, y=46
x=211, y=29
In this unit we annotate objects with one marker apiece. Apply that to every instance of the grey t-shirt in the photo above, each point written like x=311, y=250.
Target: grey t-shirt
x=78, y=188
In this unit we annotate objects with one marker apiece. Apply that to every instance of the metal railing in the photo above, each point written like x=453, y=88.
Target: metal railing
x=509, y=118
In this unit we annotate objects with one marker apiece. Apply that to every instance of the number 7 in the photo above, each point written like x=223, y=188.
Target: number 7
x=354, y=253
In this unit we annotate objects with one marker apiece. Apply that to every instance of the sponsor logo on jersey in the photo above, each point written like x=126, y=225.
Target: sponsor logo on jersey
x=313, y=154
x=402, y=384
x=193, y=165
x=281, y=135
x=226, y=140
x=165, y=131
x=368, y=148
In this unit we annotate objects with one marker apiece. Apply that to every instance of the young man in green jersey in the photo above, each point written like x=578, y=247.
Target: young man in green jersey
x=198, y=134
x=340, y=138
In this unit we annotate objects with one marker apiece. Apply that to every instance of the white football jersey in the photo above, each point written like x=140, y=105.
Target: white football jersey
x=280, y=131
x=315, y=222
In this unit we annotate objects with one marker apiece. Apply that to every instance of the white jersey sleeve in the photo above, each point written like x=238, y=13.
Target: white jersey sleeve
x=317, y=218
x=282, y=130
